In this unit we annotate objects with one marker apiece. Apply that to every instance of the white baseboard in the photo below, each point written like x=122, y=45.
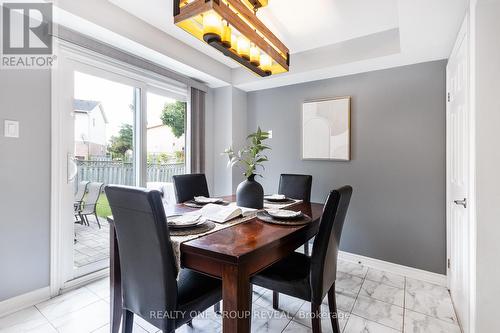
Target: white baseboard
x=84, y=280
x=390, y=267
x=23, y=301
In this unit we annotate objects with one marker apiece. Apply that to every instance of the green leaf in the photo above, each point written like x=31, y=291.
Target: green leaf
x=250, y=158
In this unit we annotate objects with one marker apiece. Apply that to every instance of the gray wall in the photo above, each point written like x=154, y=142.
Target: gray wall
x=397, y=170
x=24, y=182
x=229, y=130
x=222, y=139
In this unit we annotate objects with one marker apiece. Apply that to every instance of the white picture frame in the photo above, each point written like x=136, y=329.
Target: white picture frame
x=326, y=129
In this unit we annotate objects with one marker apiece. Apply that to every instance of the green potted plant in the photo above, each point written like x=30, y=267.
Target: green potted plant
x=249, y=159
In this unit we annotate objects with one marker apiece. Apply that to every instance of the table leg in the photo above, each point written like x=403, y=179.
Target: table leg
x=237, y=296
x=115, y=282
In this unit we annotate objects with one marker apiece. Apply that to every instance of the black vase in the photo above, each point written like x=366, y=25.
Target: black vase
x=250, y=194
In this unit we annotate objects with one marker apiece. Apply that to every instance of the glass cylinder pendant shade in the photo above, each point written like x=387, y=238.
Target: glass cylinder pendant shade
x=265, y=62
x=254, y=56
x=212, y=27
x=226, y=36
x=234, y=42
x=243, y=47
x=232, y=28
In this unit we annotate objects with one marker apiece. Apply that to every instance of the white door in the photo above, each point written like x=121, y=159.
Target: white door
x=457, y=122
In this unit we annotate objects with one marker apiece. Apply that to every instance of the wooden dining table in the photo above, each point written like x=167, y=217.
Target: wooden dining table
x=233, y=255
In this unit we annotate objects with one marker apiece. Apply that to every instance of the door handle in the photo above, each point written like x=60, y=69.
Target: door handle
x=461, y=202
x=71, y=161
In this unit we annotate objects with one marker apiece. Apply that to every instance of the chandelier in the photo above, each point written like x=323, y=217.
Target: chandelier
x=232, y=27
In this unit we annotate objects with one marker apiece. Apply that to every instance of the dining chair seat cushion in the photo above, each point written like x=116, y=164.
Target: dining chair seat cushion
x=196, y=291
x=288, y=276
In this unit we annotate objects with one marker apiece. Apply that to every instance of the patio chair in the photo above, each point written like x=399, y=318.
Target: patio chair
x=90, y=205
x=80, y=193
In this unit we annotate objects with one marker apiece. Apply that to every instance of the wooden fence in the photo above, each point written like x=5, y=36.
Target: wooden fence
x=116, y=172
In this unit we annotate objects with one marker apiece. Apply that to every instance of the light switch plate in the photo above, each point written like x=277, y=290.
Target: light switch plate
x=11, y=129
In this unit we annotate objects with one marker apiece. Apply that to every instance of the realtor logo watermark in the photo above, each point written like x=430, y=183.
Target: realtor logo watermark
x=27, y=35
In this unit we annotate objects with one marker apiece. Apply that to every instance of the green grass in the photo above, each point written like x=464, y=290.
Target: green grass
x=103, y=209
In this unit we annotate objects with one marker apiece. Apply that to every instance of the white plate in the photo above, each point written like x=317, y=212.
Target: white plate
x=175, y=227
x=183, y=221
x=275, y=197
x=205, y=200
x=283, y=213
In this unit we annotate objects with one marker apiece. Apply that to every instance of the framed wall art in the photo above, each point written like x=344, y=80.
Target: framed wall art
x=326, y=129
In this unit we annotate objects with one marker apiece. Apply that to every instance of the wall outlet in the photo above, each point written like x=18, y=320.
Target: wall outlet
x=11, y=129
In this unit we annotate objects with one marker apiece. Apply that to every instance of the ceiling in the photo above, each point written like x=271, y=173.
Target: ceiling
x=353, y=30
x=325, y=22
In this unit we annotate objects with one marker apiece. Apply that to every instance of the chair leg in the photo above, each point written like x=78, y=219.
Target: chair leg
x=316, y=317
x=276, y=300
x=128, y=321
x=332, y=304
x=97, y=219
x=306, y=248
x=217, y=307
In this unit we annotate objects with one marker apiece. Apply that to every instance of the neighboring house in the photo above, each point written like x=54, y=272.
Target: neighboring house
x=160, y=139
x=90, y=129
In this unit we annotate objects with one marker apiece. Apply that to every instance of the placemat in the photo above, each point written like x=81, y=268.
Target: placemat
x=264, y=216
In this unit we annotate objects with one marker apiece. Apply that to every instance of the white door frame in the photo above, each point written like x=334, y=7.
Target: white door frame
x=464, y=33
x=139, y=78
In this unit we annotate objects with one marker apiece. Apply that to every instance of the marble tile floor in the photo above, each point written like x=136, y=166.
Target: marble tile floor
x=368, y=301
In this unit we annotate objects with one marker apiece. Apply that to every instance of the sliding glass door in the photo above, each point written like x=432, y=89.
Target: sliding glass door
x=104, y=113
x=166, y=140
x=118, y=128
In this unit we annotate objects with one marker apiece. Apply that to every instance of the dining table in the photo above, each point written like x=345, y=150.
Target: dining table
x=233, y=254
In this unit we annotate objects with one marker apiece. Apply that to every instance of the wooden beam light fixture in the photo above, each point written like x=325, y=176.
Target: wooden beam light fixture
x=232, y=27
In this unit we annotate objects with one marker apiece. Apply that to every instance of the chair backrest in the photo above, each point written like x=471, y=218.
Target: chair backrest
x=80, y=191
x=94, y=190
x=326, y=244
x=296, y=186
x=147, y=262
x=189, y=186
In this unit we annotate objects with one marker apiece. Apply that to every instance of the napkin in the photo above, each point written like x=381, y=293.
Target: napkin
x=276, y=197
x=203, y=199
x=282, y=213
x=184, y=219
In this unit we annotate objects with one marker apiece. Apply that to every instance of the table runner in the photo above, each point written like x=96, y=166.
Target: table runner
x=178, y=240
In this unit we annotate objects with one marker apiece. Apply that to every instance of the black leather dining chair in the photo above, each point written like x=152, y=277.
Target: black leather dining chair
x=189, y=186
x=152, y=287
x=296, y=187
x=312, y=278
